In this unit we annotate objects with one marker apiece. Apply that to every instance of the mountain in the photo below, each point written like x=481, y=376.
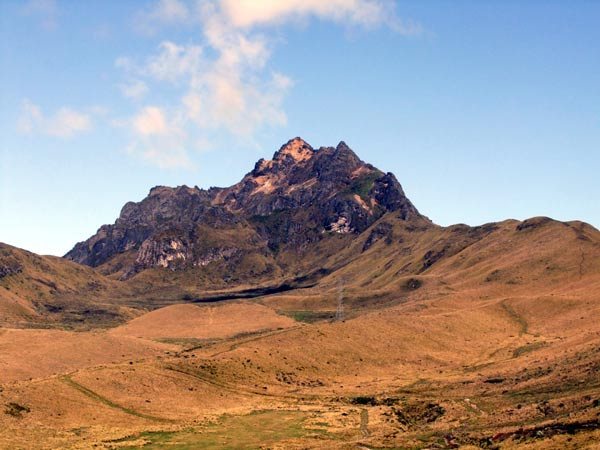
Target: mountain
x=308, y=220
x=284, y=206
x=313, y=299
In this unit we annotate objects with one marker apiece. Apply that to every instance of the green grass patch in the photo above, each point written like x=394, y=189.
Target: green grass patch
x=256, y=430
x=516, y=317
x=187, y=343
x=528, y=348
x=307, y=316
x=363, y=185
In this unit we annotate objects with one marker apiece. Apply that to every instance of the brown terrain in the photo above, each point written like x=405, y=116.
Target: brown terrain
x=369, y=327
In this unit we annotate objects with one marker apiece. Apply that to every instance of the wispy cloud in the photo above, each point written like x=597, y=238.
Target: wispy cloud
x=64, y=123
x=162, y=12
x=135, y=89
x=157, y=139
x=225, y=82
x=151, y=121
x=45, y=10
x=101, y=32
x=173, y=62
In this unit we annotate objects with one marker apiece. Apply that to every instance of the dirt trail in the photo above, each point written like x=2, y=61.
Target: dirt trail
x=524, y=326
x=364, y=422
x=245, y=391
x=66, y=379
x=233, y=346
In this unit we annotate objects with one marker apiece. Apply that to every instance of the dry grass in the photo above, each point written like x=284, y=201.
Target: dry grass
x=203, y=322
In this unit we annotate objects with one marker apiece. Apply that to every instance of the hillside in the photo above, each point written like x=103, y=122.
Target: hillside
x=475, y=337
x=48, y=291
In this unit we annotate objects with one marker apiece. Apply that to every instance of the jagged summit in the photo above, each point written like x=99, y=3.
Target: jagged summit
x=168, y=190
x=343, y=147
x=289, y=203
x=297, y=149
x=294, y=151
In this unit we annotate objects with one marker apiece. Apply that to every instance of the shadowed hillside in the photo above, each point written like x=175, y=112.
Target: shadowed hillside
x=47, y=291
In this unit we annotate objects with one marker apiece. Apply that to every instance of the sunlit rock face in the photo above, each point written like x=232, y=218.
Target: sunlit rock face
x=295, y=199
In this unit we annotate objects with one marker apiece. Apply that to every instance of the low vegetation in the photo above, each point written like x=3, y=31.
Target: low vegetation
x=16, y=410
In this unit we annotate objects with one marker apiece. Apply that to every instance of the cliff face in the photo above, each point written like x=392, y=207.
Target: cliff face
x=298, y=198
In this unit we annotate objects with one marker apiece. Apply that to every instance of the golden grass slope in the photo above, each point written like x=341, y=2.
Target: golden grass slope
x=203, y=322
x=33, y=354
x=498, y=259
x=47, y=290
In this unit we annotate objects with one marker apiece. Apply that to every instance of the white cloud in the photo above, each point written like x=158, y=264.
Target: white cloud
x=31, y=116
x=366, y=13
x=135, y=89
x=124, y=63
x=174, y=62
x=171, y=11
x=162, y=12
x=68, y=122
x=241, y=107
x=64, y=123
x=158, y=140
x=151, y=121
x=224, y=82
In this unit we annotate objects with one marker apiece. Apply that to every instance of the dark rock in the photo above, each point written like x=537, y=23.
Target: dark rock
x=433, y=256
x=364, y=400
x=380, y=231
x=412, y=414
x=15, y=409
x=10, y=269
x=494, y=380
x=9, y=265
x=413, y=284
x=535, y=222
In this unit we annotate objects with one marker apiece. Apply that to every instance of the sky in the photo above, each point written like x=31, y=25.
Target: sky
x=484, y=111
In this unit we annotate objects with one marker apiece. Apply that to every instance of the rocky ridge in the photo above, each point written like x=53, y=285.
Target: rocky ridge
x=299, y=197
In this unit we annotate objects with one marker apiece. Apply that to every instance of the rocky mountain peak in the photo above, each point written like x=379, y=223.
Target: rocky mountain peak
x=296, y=149
x=343, y=147
x=167, y=190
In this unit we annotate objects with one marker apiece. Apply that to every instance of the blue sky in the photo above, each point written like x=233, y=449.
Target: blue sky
x=483, y=110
